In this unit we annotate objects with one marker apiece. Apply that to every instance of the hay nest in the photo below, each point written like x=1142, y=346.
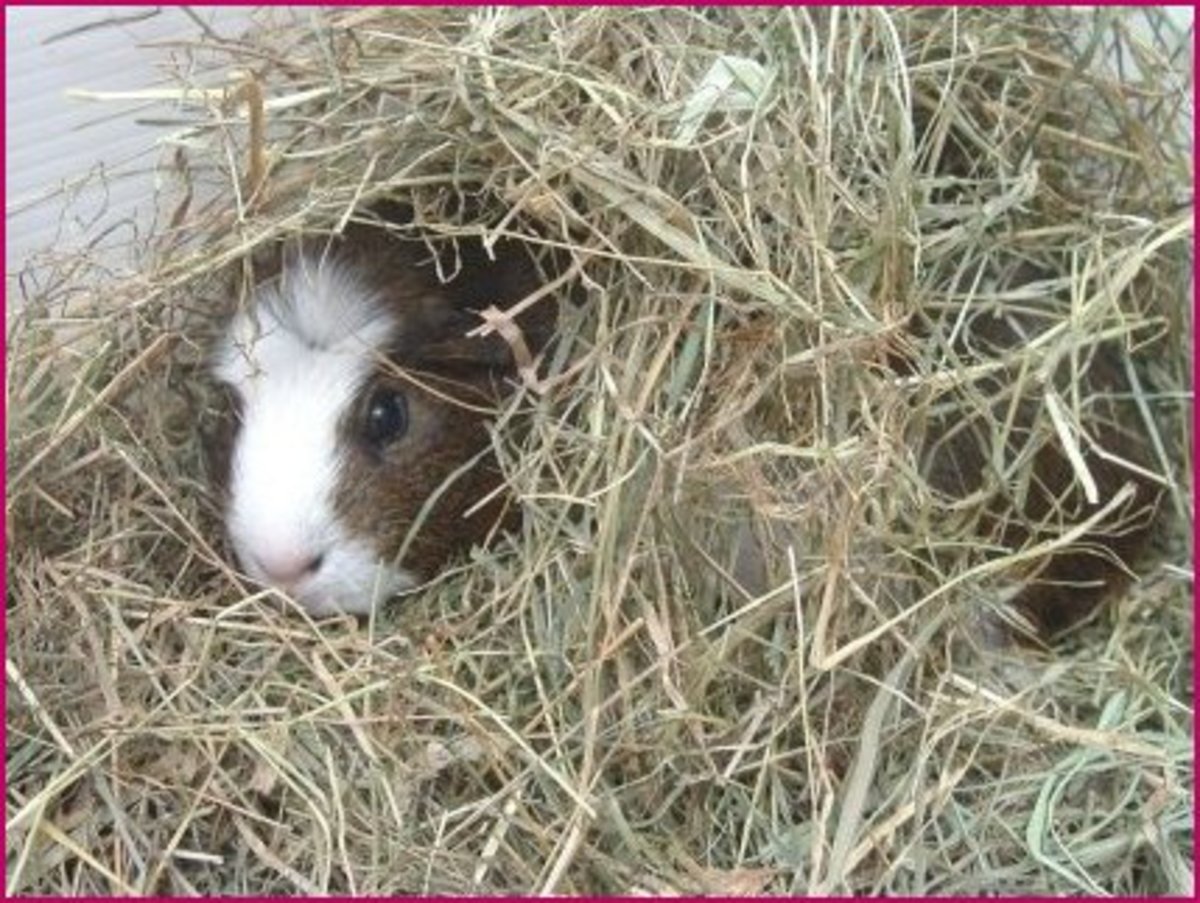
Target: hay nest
x=757, y=205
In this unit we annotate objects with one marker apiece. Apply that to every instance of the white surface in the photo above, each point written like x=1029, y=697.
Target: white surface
x=93, y=159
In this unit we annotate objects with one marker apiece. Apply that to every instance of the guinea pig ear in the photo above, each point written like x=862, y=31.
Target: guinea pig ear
x=448, y=345
x=481, y=281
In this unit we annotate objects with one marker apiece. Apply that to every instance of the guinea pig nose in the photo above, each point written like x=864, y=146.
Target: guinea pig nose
x=285, y=569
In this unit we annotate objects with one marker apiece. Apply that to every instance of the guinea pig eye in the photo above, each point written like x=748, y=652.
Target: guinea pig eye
x=387, y=418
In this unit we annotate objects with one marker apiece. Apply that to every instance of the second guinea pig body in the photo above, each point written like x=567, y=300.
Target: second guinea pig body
x=361, y=411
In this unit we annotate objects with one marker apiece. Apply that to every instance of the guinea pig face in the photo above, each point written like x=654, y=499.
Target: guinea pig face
x=337, y=449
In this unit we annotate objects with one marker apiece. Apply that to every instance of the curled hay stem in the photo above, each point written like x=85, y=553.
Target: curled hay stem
x=256, y=169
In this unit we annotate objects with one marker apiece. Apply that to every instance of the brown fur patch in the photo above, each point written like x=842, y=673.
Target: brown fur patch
x=960, y=459
x=449, y=382
x=380, y=495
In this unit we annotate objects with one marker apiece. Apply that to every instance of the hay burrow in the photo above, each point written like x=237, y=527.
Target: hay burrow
x=756, y=207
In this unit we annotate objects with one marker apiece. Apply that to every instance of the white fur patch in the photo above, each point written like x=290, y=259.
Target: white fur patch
x=296, y=362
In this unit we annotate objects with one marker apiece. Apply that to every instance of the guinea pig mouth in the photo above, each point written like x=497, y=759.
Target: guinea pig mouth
x=347, y=579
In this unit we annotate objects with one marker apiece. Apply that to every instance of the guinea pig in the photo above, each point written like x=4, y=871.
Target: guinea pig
x=974, y=451
x=359, y=411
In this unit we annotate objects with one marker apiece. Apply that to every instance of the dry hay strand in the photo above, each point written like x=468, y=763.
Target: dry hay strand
x=761, y=211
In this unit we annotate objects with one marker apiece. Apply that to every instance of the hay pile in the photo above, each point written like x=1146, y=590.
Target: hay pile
x=756, y=205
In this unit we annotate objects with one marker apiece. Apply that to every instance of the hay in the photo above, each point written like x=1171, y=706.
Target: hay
x=757, y=205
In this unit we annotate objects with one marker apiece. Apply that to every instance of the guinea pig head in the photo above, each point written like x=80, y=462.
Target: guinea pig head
x=361, y=416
